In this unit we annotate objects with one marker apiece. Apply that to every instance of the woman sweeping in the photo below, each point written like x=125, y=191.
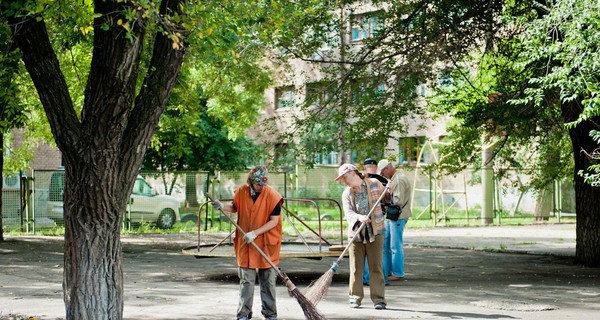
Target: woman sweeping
x=258, y=207
x=358, y=199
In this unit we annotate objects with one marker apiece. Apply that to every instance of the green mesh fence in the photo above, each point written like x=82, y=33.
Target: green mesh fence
x=35, y=202
x=12, y=211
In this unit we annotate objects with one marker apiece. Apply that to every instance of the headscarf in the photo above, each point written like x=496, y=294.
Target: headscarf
x=259, y=175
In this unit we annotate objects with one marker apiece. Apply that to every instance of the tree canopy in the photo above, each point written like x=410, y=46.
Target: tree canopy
x=203, y=126
x=372, y=56
x=104, y=108
x=519, y=75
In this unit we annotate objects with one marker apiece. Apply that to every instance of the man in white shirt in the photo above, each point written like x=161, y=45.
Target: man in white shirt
x=397, y=215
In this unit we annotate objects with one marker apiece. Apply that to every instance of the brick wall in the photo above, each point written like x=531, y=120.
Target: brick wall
x=45, y=156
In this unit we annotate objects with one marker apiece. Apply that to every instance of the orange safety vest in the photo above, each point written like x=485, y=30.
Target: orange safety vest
x=251, y=216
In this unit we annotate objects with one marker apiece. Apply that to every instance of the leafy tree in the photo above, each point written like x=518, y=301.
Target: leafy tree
x=203, y=127
x=11, y=113
x=103, y=145
x=367, y=92
x=103, y=113
x=193, y=135
x=565, y=43
x=533, y=94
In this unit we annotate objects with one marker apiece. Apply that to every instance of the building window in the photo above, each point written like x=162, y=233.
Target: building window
x=452, y=77
x=329, y=38
x=410, y=148
x=365, y=27
x=324, y=158
x=285, y=97
x=368, y=91
x=421, y=90
x=319, y=93
x=445, y=80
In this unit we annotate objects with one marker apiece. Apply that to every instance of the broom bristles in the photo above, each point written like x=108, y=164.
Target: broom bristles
x=309, y=309
x=318, y=289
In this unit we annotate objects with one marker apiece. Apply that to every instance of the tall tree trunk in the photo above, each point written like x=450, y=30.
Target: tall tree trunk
x=587, y=198
x=102, y=149
x=93, y=276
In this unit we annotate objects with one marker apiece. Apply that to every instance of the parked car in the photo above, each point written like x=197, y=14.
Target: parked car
x=145, y=204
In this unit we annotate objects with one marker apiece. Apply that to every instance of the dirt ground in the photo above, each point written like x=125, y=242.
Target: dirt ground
x=441, y=283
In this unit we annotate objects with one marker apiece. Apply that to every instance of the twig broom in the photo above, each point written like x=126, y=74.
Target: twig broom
x=318, y=289
x=309, y=309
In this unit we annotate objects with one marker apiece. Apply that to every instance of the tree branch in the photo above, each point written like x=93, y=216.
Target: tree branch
x=157, y=86
x=31, y=36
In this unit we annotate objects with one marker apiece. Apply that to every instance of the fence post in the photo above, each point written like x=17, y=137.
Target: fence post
x=497, y=201
x=557, y=200
x=487, y=179
x=430, y=194
x=435, y=198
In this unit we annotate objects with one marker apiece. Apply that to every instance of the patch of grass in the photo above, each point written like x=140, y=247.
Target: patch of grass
x=525, y=243
x=54, y=231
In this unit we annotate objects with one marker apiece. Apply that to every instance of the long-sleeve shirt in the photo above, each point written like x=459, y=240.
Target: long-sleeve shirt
x=351, y=210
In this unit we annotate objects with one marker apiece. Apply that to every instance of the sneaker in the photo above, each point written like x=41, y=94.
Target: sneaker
x=243, y=318
x=380, y=306
x=354, y=305
x=270, y=318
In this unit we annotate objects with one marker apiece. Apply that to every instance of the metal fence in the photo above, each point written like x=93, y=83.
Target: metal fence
x=33, y=203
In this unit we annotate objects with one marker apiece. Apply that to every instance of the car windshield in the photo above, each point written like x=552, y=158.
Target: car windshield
x=142, y=187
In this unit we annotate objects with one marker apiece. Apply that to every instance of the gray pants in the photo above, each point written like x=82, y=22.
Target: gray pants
x=267, y=279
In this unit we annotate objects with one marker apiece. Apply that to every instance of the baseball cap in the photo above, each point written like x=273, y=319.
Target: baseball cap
x=370, y=161
x=343, y=169
x=382, y=164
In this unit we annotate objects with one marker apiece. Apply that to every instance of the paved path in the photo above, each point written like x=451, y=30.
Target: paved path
x=507, y=273
x=543, y=239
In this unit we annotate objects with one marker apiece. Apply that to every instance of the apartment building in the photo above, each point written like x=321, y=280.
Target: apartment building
x=298, y=86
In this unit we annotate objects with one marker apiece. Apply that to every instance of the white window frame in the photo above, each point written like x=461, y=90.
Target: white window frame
x=285, y=98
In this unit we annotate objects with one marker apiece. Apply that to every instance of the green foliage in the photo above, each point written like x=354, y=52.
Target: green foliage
x=197, y=141
x=367, y=90
x=19, y=108
x=195, y=132
x=565, y=42
x=490, y=107
x=593, y=175
x=223, y=74
x=12, y=114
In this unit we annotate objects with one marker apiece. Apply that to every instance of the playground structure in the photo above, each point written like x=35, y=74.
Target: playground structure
x=297, y=246
x=436, y=188
x=505, y=193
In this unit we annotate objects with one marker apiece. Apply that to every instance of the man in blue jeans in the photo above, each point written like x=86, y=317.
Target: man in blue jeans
x=393, y=251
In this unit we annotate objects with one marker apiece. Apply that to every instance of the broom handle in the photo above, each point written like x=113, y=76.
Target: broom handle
x=362, y=226
x=254, y=244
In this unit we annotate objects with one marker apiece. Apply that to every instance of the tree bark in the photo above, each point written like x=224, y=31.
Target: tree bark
x=587, y=198
x=103, y=152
